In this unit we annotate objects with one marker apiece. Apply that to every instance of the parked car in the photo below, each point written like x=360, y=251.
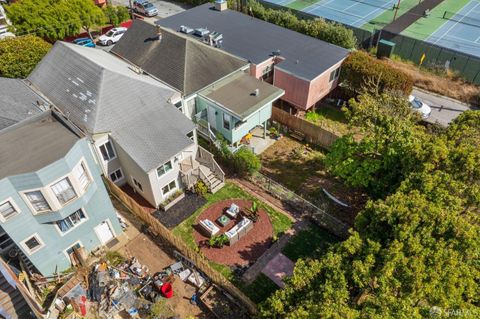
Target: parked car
x=145, y=8
x=419, y=106
x=84, y=42
x=112, y=36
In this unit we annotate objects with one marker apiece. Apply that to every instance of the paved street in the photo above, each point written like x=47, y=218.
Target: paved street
x=165, y=8
x=444, y=110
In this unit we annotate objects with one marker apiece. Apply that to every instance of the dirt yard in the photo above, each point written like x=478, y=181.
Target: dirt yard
x=150, y=254
x=300, y=167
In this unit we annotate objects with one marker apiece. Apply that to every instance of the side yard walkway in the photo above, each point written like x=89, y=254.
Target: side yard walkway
x=252, y=272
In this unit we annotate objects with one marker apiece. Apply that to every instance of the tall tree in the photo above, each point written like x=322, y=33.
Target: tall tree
x=392, y=145
x=412, y=254
x=54, y=19
x=20, y=55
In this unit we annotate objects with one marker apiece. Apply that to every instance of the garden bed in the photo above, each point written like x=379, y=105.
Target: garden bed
x=329, y=117
x=181, y=210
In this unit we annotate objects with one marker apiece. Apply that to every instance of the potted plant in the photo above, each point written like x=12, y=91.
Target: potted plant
x=218, y=241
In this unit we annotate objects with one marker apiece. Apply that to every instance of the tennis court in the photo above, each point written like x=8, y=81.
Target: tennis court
x=351, y=12
x=461, y=30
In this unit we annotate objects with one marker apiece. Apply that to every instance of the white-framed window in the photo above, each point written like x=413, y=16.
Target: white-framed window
x=169, y=187
x=64, y=191
x=8, y=209
x=226, y=121
x=137, y=184
x=116, y=175
x=190, y=135
x=334, y=74
x=108, y=153
x=33, y=244
x=71, y=221
x=178, y=105
x=81, y=174
x=164, y=168
x=38, y=201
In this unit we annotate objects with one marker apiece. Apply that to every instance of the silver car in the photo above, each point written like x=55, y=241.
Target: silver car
x=145, y=8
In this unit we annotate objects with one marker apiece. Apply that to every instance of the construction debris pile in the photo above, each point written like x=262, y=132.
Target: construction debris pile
x=127, y=288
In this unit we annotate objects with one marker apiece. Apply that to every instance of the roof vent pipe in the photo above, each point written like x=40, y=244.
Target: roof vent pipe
x=159, y=33
x=257, y=92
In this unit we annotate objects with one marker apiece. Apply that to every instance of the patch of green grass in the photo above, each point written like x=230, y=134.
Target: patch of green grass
x=224, y=270
x=329, y=118
x=312, y=242
x=280, y=222
x=260, y=289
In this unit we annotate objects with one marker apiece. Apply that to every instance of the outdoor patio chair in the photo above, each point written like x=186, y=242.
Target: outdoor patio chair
x=209, y=227
x=233, y=210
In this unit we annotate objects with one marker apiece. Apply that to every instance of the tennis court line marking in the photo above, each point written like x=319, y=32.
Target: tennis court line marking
x=455, y=24
x=324, y=5
x=393, y=2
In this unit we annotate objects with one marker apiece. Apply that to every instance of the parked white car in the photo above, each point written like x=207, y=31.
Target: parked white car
x=419, y=106
x=112, y=36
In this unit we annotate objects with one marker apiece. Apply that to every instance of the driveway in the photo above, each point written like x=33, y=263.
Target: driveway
x=165, y=8
x=444, y=109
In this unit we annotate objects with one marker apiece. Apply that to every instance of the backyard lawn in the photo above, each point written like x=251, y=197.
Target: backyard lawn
x=280, y=222
x=300, y=167
x=330, y=118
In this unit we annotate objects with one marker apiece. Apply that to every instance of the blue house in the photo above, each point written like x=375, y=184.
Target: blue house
x=234, y=107
x=52, y=198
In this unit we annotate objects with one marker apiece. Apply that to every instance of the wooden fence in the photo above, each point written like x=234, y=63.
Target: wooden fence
x=200, y=262
x=313, y=133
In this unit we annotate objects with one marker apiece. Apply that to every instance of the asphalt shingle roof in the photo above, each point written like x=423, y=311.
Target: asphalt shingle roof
x=256, y=40
x=17, y=102
x=100, y=93
x=33, y=144
x=185, y=64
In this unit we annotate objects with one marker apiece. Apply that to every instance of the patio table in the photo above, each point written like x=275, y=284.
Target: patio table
x=223, y=220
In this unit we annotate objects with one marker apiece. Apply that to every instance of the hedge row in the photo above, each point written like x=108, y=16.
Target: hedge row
x=361, y=71
x=326, y=31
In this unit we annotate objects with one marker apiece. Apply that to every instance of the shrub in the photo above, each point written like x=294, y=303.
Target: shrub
x=218, y=241
x=246, y=162
x=170, y=199
x=360, y=72
x=200, y=188
x=20, y=55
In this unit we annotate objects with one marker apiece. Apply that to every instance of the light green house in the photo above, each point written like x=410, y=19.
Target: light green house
x=234, y=107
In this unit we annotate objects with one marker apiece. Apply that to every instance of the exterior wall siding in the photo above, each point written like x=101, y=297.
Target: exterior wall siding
x=233, y=135
x=256, y=70
x=95, y=203
x=321, y=86
x=296, y=89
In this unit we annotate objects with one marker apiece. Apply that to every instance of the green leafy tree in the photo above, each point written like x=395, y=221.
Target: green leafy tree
x=416, y=249
x=20, y=55
x=89, y=14
x=54, y=19
x=391, y=147
x=116, y=14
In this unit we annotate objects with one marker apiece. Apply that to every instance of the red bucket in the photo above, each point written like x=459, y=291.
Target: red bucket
x=167, y=290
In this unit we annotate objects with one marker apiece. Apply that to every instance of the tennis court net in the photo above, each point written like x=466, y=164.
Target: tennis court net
x=390, y=5
x=453, y=16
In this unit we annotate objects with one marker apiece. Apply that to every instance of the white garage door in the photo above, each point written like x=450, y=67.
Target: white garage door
x=104, y=232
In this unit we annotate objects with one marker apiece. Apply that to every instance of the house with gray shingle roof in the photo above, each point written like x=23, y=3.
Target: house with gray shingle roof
x=18, y=101
x=139, y=137
x=307, y=69
x=216, y=90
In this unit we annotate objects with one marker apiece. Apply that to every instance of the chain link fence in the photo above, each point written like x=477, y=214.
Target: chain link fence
x=306, y=208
